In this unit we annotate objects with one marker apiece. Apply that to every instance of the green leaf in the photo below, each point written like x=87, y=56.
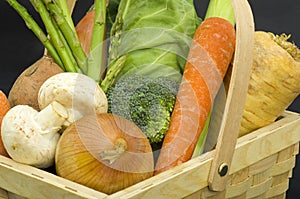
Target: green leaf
x=155, y=35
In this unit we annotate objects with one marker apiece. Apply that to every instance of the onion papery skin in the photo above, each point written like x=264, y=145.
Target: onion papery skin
x=84, y=30
x=78, y=153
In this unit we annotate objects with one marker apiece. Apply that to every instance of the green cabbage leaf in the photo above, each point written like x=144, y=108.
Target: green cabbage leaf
x=155, y=36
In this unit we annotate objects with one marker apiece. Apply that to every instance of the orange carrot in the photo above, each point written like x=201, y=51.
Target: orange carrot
x=210, y=55
x=4, y=107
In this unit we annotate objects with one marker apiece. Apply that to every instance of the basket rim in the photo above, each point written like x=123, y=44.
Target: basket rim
x=193, y=173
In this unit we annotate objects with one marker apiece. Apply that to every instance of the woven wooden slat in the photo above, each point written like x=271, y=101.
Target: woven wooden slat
x=14, y=196
x=267, y=178
x=3, y=194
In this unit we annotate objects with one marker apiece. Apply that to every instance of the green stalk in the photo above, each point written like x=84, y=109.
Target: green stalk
x=202, y=138
x=54, y=35
x=69, y=34
x=96, y=50
x=113, y=70
x=37, y=30
x=221, y=8
x=65, y=12
x=68, y=49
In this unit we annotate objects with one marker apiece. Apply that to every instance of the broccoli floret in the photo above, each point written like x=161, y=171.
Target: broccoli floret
x=145, y=101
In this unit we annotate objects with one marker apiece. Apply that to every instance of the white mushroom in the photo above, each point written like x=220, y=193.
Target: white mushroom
x=78, y=93
x=29, y=136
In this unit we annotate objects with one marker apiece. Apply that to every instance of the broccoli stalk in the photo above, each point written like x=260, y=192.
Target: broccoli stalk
x=146, y=101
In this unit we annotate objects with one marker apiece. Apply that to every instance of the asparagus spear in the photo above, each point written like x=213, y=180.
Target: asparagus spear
x=54, y=34
x=37, y=30
x=66, y=11
x=64, y=45
x=68, y=33
x=98, y=35
x=112, y=72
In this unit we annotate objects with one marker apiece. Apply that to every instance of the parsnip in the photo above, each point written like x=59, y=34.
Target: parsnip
x=274, y=81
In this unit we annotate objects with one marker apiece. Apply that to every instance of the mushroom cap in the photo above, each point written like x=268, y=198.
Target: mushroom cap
x=24, y=139
x=78, y=93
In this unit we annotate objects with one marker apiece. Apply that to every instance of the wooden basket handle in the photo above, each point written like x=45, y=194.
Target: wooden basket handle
x=236, y=97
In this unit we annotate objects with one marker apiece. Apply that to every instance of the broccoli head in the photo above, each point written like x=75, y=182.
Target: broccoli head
x=148, y=102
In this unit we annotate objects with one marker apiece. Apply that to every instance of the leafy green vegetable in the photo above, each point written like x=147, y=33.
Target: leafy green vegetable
x=145, y=101
x=111, y=13
x=155, y=35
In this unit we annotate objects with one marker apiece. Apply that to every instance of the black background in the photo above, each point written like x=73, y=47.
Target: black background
x=19, y=47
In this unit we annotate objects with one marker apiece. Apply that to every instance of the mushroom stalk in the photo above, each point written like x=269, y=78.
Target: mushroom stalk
x=30, y=137
x=52, y=117
x=79, y=94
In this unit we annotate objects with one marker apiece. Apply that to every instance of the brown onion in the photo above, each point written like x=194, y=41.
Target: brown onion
x=105, y=152
x=84, y=30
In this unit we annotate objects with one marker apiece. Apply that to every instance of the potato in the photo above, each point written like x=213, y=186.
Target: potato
x=26, y=87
